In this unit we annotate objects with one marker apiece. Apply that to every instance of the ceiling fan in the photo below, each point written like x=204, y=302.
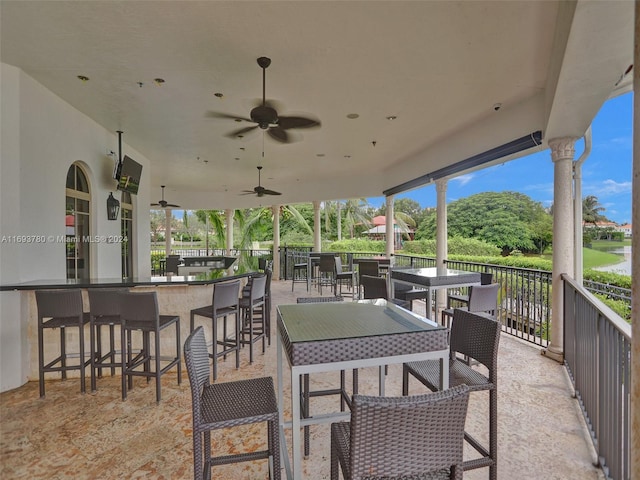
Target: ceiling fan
x=163, y=203
x=266, y=117
x=260, y=191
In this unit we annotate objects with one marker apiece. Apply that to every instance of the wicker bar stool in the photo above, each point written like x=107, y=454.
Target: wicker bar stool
x=253, y=314
x=104, y=311
x=224, y=405
x=402, y=437
x=225, y=302
x=139, y=312
x=61, y=309
x=476, y=336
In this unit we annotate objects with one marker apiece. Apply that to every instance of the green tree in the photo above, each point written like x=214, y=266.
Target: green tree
x=356, y=214
x=591, y=210
x=508, y=220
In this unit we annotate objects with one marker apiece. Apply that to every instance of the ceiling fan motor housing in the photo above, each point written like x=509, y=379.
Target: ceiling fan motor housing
x=264, y=116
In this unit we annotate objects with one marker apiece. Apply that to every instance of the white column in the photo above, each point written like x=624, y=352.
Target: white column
x=391, y=233
x=276, y=242
x=441, y=222
x=167, y=231
x=562, y=153
x=441, y=238
x=317, y=242
x=635, y=264
x=228, y=213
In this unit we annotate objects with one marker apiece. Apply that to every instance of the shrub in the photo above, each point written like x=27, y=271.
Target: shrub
x=455, y=246
x=359, y=245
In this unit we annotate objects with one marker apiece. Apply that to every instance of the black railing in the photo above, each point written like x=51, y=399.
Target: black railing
x=597, y=353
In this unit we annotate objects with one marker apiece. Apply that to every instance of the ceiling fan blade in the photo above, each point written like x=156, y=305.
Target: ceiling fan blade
x=241, y=131
x=278, y=134
x=297, y=122
x=171, y=205
x=270, y=192
x=212, y=114
x=155, y=204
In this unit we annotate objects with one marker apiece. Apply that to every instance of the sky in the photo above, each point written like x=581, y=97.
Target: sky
x=606, y=173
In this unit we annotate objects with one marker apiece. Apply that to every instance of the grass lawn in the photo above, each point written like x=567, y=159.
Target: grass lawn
x=596, y=258
x=610, y=243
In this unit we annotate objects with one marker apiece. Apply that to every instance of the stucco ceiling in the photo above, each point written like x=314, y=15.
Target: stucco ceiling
x=439, y=67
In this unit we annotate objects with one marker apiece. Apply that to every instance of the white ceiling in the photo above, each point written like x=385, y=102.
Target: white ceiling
x=439, y=67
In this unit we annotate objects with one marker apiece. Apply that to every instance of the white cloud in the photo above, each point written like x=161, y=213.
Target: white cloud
x=608, y=187
x=463, y=179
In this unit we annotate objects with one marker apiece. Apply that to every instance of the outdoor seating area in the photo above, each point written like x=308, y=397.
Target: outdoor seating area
x=540, y=430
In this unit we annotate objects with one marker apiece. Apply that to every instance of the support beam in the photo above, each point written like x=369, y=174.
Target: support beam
x=228, y=213
x=390, y=236
x=562, y=153
x=276, y=242
x=635, y=263
x=441, y=240
x=317, y=242
x=167, y=231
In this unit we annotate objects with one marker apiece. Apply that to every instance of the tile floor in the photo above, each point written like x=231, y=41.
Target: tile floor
x=68, y=435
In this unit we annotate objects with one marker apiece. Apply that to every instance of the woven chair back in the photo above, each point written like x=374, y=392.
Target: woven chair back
x=394, y=437
x=476, y=335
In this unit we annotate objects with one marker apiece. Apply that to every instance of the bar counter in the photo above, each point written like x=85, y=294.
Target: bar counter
x=176, y=296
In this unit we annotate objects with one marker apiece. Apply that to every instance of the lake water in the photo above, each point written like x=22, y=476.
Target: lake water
x=624, y=267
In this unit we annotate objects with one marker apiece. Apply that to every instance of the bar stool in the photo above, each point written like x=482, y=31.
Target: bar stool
x=139, y=312
x=104, y=311
x=61, y=309
x=225, y=302
x=253, y=312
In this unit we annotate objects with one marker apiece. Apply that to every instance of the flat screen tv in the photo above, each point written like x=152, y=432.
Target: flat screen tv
x=129, y=175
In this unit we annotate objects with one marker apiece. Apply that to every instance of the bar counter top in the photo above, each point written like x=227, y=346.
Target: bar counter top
x=150, y=281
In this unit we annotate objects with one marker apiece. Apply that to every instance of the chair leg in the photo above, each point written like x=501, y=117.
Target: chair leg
x=83, y=361
x=274, y=447
x=158, y=372
x=178, y=352
x=41, y=360
x=93, y=353
x=63, y=353
x=125, y=349
x=493, y=433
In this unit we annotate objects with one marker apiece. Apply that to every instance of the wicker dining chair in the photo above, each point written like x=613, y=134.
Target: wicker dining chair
x=305, y=390
x=61, y=309
x=482, y=298
x=104, y=311
x=476, y=336
x=456, y=299
x=417, y=437
x=224, y=405
x=343, y=276
x=225, y=303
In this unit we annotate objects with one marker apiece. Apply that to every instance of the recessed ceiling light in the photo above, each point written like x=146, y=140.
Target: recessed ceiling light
x=218, y=94
x=352, y=115
x=238, y=120
x=159, y=81
x=240, y=136
x=391, y=117
x=83, y=78
x=319, y=154
x=242, y=148
x=347, y=156
x=237, y=158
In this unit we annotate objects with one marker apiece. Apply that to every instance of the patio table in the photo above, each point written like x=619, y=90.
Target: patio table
x=322, y=337
x=433, y=278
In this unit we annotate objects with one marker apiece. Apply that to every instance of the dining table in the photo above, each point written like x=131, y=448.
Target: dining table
x=323, y=337
x=431, y=279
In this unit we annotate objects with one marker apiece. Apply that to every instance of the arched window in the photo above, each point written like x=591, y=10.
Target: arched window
x=77, y=223
x=126, y=229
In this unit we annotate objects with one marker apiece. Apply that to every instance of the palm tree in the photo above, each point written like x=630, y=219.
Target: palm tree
x=216, y=219
x=258, y=217
x=356, y=212
x=591, y=209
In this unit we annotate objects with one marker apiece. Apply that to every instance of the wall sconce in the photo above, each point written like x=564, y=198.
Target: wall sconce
x=113, y=207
